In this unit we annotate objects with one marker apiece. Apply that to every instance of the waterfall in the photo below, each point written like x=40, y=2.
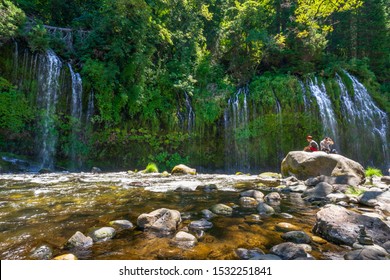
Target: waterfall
x=76, y=112
x=327, y=114
x=91, y=107
x=77, y=94
x=186, y=114
x=236, y=117
x=364, y=119
x=48, y=87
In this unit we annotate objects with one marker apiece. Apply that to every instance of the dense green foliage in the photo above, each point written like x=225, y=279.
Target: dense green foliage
x=143, y=58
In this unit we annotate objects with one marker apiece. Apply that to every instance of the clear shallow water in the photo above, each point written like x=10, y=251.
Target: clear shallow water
x=48, y=209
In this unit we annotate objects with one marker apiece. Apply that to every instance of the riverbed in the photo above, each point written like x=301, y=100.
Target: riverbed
x=47, y=209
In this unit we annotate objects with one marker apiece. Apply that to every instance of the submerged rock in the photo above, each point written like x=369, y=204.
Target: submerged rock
x=265, y=209
x=298, y=237
x=248, y=202
x=200, y=225
x=66, y=257
x=245, y=254
x=288, y=251
x=304, y=165
x=285, y=227
x=123, y=224
x=222, y=209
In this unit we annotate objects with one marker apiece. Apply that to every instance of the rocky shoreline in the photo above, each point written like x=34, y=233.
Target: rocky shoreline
x=355, y=217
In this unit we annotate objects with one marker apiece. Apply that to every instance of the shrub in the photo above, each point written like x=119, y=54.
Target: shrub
x=151, y=168
x=370, y=172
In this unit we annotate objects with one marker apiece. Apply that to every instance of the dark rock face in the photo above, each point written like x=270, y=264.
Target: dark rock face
x=341, y=226
x=304, y=165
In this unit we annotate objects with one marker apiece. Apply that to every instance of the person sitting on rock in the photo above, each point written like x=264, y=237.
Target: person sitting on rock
x=313, y=146
x=326, y=146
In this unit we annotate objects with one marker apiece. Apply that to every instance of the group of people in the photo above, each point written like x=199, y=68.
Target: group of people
x=325, y=145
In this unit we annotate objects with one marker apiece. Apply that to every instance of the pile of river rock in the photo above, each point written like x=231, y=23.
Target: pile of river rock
x=353, y=211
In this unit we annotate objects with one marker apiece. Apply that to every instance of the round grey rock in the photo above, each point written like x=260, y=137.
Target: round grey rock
x=103, y=234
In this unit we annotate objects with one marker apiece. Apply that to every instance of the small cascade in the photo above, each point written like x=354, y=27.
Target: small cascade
x=186, y=114
x=324, y=103
x=236, y=118
x=76, y=113
x=77, y=94
x=48, y=88
x=90, y=108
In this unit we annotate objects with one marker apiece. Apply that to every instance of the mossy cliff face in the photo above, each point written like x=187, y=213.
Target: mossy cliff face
x=216, y=128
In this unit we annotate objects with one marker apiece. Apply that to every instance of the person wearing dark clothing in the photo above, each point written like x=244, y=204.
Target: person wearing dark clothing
x=326, y=145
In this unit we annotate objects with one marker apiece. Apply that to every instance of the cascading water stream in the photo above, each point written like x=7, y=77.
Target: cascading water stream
x=327, y=114
x=365, y=119
x=236, y=119
x=76, y=114
x=48, y=88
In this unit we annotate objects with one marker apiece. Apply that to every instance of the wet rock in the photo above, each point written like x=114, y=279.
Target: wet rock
x=96, y=170
x=304, y=165
x=207, y=188
x=337, y=197
x=288, y=251
x=258, y=195
x=43, y=252
x=297, y=237
x=265, y=209
x=297, y=188
x=66, y=257
x=200, y=225
x=207, y=214
x=253, y=219
x=386, y=246
x=184, y=240
x=319, y=192
x=376, y=198
x=182, y=169
x=286, y=215
x=285, y=227
x=222, y=209
x=385, y=179
x=318, y=239
x=245, y=254
x=183, y=189
x=248, y=202
x=163, y=221
x=79, y=240
x=269, y=257
x=341, y=226
x=269, y=181
x=272, y=197
x=123, y=224
x=371, y=252
x=102, y=234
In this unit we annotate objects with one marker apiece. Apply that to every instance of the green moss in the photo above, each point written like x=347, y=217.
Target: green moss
x=370, y=172
x=151, y=168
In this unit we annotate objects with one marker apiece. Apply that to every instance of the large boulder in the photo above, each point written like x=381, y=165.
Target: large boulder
x=304, y=165
x=341, y=226
x=162, y=221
